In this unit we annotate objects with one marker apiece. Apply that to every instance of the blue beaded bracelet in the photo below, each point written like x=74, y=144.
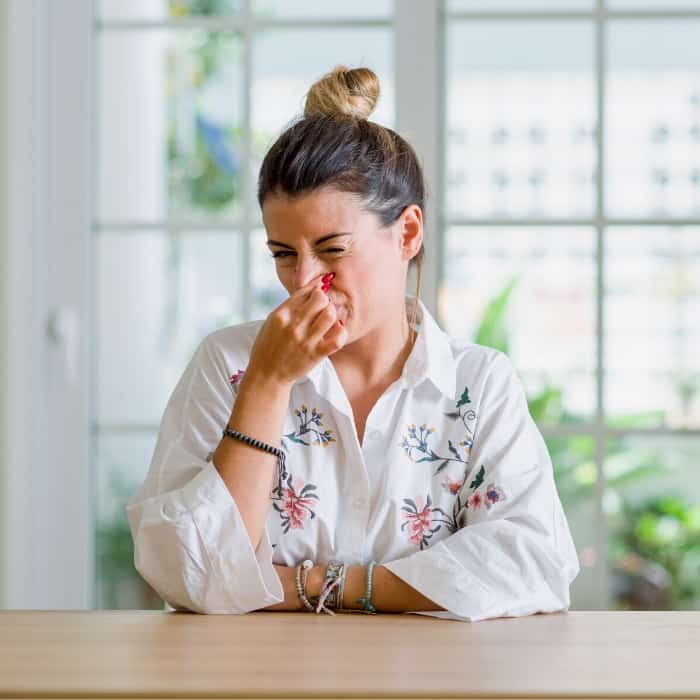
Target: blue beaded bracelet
x=366, y=601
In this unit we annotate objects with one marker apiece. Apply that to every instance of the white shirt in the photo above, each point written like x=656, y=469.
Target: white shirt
x=452, y=488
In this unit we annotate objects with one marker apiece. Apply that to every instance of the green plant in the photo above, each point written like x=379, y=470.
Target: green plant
x=663, y=529
x=654, y=547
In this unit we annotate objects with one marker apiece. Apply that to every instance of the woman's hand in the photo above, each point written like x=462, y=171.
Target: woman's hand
x=297, y=335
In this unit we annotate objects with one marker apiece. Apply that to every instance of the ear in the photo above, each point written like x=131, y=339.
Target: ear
x=410, y=225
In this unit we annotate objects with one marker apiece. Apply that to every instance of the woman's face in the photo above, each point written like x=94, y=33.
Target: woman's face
x=329, y=231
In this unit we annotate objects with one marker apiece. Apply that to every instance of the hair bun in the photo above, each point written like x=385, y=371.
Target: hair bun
x=350, y=91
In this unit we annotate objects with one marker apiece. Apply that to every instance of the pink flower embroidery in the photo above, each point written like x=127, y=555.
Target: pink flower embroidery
x=297, y=501
x=419, y=518
x=475, y=501
x=236, y=376
x=452, y=486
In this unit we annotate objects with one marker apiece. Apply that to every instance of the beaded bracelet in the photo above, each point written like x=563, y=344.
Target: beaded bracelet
x=281, y=468
x=366, y=601
x=301, y=587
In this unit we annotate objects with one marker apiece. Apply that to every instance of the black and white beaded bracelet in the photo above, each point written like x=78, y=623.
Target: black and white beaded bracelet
x=281, y=467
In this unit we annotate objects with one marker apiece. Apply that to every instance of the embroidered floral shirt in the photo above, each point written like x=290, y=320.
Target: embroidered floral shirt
x=451, y=489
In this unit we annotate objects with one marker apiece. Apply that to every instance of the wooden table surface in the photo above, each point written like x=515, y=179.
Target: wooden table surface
x=109, y=654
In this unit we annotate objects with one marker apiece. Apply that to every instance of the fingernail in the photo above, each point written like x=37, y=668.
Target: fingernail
x=341, y=322
x=328, y=278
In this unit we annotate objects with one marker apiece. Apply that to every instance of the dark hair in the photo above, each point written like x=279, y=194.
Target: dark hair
x=334, y=145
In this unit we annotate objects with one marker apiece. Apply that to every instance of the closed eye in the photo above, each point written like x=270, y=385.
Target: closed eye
x=284, y=254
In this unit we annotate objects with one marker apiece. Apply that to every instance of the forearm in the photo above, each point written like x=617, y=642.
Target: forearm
x=248, y=472
x=390, y=593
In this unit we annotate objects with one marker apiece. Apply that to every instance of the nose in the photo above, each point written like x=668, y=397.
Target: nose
x=306, y=270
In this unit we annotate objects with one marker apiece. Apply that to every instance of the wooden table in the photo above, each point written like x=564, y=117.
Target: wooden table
x=148, y=654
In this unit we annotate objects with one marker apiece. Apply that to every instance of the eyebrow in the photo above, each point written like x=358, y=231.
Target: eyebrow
x=316, y=242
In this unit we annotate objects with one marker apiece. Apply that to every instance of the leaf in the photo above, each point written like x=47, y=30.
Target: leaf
x=479, y=479
x=441, y=467
x=546, y=406
x=411, y=503
x=492, y=330
x=453, y=415
x=464, y=399
x=453, y=449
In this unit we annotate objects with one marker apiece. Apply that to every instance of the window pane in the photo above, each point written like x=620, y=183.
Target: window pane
x=653, y=118
x=169, y=124
x=517, y=5
x=530, y=293
x=317, y=9
x=121, y=463
x=288, y=61
x=652, y=503
x=573, y=461
x=157, y=297
x=154, y=10
x=268, y=292
x=652, y=330
x=520, y=119
x=660, y=5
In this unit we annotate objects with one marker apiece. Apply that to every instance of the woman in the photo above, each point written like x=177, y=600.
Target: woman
x=337, y=455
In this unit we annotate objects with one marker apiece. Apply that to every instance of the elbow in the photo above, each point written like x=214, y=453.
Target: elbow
x=182, y=580
x=185, y=578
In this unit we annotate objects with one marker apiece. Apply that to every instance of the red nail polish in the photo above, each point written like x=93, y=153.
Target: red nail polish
x=327, y=279
x=341, y=322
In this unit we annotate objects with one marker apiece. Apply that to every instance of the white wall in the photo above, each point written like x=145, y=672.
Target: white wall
x=17, y=294
x=45, y=525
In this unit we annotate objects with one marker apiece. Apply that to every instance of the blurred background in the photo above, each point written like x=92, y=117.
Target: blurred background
x=561, y=146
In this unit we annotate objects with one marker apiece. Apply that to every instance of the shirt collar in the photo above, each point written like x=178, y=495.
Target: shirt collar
x=431, y=358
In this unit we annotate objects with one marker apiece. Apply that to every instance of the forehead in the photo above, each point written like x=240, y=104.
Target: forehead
x=313, y=212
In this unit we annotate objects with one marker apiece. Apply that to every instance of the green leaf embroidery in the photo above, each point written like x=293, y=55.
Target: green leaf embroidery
x=464, y=399
x=479, y=479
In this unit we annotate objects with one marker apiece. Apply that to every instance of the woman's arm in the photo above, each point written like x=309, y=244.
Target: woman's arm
x=389, y=593
x=248, y=472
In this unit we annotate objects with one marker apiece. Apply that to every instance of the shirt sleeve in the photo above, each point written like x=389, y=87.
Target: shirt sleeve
x=513, y=554
x=190, y=542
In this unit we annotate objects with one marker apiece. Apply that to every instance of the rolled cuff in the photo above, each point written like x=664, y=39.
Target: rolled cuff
x=243, y=579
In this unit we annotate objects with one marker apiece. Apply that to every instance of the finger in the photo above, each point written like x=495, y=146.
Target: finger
x=334, y=340
x=322, y=322
x=288, y=310
x=306, y=315
x=303, y=292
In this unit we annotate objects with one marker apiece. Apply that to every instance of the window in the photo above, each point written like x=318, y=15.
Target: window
x=567, y=233
x=572, y=241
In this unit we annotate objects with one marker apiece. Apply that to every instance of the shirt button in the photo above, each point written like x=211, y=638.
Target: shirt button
x=374, y=434
x=358, y=503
